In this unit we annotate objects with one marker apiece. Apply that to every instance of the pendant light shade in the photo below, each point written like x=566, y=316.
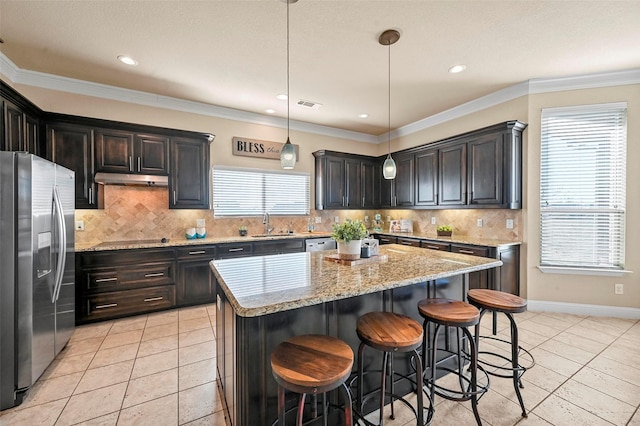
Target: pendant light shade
x=387, y=38
x=288, y=152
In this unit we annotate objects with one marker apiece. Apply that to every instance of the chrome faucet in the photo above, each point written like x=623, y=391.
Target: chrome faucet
x=265, y=221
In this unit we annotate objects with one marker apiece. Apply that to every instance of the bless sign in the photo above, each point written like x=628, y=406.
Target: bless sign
x=258, y=148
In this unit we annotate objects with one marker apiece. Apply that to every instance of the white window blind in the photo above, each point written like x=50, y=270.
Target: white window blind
x=583, y=186
x=252, y=192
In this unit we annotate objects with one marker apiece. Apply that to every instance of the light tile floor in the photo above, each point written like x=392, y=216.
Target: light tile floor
x=159, y=369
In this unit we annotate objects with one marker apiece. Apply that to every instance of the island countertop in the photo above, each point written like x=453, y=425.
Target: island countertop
x=263, y=285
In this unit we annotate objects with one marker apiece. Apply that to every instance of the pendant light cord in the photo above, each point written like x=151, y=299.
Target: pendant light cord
x=288, y=101
x=389, y=101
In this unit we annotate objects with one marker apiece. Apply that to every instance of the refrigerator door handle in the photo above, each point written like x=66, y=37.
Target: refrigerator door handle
x=62, y=244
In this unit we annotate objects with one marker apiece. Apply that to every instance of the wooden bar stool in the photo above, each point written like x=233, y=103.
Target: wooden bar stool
x=497, y=301
x=312, y=364
x=452, y=313
x=389, y=333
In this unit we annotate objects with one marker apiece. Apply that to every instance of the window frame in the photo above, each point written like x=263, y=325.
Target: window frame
x=598, y=209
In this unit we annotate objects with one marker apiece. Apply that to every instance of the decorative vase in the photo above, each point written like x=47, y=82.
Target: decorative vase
x=350, y=250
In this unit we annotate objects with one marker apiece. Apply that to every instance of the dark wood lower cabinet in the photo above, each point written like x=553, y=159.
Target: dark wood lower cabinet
x=122, y=303
x=195, y=279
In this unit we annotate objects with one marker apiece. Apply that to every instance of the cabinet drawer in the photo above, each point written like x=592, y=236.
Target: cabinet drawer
x=435, y=245
x=234, y=249
x=408, y=242
x=280, y=246
x=115, y=258
x=128, y=302
x=473, y=251
x=386, y=240
x=148, y=275
x=196, y=252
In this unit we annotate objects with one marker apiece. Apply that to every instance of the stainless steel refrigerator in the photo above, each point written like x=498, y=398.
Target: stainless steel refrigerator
x=37, y=269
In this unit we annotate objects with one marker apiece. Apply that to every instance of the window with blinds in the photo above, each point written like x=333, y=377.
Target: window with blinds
x=252, y=192
x=582, y=187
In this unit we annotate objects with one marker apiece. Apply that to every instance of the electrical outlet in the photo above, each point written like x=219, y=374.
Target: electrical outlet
x=433, y=220
x=388, y=219
x=318, y=219
x=479, y=223
x=336, y=219
x=619, y=288
x=79, y=225
x=200, y=223
x=509, y=223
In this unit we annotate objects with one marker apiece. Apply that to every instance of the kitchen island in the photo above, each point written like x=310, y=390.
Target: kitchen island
x=263, y=300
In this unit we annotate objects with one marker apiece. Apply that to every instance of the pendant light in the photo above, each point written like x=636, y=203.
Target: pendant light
x=288, y=152
x=387, y=38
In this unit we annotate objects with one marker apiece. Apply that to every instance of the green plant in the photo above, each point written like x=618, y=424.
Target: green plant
x=349, y=230
x=242, y=228
x=445, y=228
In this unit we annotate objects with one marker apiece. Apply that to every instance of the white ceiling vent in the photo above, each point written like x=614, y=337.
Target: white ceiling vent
x=309, y=104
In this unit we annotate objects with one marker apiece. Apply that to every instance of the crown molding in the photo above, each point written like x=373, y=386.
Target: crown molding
x=81, y=87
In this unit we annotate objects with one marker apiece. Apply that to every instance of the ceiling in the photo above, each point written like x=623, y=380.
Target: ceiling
x=233, y=53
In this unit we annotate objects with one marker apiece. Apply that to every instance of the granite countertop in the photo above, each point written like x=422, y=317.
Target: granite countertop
x=178, y=242
x=462, y=239
x=262, y=285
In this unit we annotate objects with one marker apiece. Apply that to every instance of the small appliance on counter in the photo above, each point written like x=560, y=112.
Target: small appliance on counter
x=377, y=223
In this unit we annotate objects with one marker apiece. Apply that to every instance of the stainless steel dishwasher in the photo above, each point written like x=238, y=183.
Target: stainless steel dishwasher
x=320, y=244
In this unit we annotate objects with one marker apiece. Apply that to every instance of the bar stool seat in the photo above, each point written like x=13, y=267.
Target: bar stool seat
x=390, y=332
x=458, y=314
x=498, y=301
x=312, y=364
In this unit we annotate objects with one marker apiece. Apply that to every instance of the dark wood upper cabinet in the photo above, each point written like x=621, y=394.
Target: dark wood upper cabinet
x=72, y=146
x=427, y=178
x=114, y=151
x=404, y=181
x=485, y=162
x=345, y=181
x=32, y=134
x=20, y=129
x=119, y=151
x=452, y=175
x=189, y=180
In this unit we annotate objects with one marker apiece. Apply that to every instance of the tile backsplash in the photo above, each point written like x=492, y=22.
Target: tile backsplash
x=136, y=212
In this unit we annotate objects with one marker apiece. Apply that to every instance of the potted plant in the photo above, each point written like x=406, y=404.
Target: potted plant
x=243, y=231
x=349, y=235
x=444, y=231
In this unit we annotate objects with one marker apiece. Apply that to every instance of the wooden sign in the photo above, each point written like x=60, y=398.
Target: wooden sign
x=258, y=148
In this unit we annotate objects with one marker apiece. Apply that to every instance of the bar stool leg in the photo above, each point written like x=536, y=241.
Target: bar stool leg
x=360, y=376
x=517, y=383
x=391, y=386
x=434, y=348
x=419, y=386
x=300, y=409
x=348, y=414
x=280, y=406
x=382, y=385
x=474, y=374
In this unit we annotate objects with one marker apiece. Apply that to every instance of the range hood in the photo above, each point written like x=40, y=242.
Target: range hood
x=129, y=179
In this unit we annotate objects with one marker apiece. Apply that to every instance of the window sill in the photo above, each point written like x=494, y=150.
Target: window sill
x=583, y=271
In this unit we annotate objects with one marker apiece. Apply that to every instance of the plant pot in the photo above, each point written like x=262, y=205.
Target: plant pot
x=444, y=233
x=243, y=232
x=350, y=250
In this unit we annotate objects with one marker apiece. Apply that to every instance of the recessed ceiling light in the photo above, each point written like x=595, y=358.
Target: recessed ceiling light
x=282, y=97
x=363, y=115
x=127, y=60
x=457, y=68
x=270, y=111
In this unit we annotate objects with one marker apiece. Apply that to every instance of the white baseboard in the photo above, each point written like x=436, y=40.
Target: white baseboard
x=583, y=309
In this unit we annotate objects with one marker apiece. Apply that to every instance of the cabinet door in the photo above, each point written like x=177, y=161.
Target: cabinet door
x=71, y=146
x=13, y=127
x=485, y=170
x=335, y=178
x=195, y=282
x=189, y=182
x=370, y=185
x=353, y=184
x=404, y=195
x=427, y=178
x=32, y=135
x=114, y=151
x=452, y=175
x=151, y=155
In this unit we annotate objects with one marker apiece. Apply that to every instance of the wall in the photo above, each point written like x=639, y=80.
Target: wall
x=535, y=285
